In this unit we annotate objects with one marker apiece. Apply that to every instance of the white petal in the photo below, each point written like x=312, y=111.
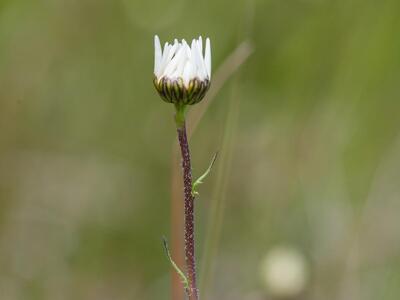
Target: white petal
x=201, y=70
x=166, y=47
x=188, y=73
x=207, y=57
x=183, y=57
x=172, y=52
x=168, y=57
x=163, y=62
x=157, y=54
x=193, y=56
x=174, y=63
x=201, y=45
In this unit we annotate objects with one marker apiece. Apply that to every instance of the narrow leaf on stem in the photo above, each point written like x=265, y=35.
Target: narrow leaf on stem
x=205, y=174
x=185, y=281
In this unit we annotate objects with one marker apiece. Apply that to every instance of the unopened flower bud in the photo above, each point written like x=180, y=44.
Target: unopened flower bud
x=181, y=73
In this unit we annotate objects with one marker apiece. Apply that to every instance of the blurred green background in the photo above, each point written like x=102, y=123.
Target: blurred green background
x=308, y=129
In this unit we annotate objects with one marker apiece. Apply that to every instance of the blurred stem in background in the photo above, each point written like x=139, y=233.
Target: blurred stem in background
x=213, y=232
x=219, y=195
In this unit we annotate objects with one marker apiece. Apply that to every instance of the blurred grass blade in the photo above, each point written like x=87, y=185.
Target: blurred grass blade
x=217, y=210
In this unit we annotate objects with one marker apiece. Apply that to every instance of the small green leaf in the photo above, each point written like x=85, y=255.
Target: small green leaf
x=185, y=281
x=202, y=177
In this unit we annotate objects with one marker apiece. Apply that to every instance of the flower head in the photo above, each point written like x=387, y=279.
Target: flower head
x=182, y=73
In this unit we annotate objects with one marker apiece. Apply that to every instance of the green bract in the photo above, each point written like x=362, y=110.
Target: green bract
x=175, y=91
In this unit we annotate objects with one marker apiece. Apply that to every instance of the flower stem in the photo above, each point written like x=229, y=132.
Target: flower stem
x=189, y=204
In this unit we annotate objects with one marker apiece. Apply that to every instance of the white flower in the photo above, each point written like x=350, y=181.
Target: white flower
x=182, y=73
x=181, y=61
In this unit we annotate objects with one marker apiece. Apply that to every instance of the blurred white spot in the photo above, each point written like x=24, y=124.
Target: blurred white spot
x=284, y=272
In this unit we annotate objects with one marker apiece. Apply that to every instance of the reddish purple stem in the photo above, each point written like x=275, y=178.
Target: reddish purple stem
x=189, y=213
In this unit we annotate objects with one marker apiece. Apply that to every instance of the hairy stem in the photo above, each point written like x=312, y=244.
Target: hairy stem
x=189, y=211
